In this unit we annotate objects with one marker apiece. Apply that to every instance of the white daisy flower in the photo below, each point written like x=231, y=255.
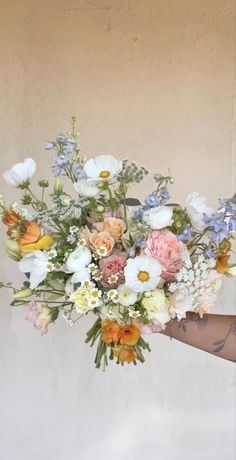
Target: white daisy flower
x=20, y=172
x=113, y=279
x=103, y=167
x=113, y=295
x=86, y=188
x=142, y=273
x=101, y=252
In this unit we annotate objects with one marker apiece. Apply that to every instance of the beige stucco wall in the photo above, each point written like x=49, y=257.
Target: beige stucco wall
x=152, y=80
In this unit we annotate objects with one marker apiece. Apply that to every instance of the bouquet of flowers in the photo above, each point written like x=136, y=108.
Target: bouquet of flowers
x=133, y=267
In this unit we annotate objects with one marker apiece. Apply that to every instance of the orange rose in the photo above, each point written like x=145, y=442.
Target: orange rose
x=10, y=218
x=125, y=354
x=110, y=331
x=96, y=240
x=32, y=233
x=222, y=264
x=112, y=225
x=129, y=334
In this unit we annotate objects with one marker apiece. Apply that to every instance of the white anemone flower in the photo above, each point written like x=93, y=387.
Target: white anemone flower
x=158, y=217
x=20, y=172
x=37, y=264
x=196, y=206
x=103, y=167
x=142, y=273
x=77, y=263
x=86, y=188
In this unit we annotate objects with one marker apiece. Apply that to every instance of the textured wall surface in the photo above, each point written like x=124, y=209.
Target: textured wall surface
x=153, y=80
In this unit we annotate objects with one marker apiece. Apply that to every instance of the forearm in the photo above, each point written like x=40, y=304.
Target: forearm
x=215, y=334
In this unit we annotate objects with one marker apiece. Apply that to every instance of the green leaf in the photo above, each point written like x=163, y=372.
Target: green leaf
x=132, y=202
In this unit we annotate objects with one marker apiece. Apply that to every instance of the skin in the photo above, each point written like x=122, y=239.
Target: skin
x=215, y=334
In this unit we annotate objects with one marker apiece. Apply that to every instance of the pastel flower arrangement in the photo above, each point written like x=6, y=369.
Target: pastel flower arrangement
x=133, y=266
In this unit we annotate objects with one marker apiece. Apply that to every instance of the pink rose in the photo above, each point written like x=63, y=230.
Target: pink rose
x=113, y=265
x=168, y=250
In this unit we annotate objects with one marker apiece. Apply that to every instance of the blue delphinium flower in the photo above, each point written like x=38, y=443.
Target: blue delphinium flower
x=152, y=201
x=131, y=252
x=164, y=195
x=186, y=234
x=210, y=254
x=219, y=228
x=141, y=243
x=137, y=215
x=49, y=145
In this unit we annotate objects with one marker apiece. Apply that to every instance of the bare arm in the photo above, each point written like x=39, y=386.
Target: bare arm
x=215, y=334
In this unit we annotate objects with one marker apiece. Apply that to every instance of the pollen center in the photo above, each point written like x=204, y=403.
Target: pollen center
x=143, y=276
x=104, y=174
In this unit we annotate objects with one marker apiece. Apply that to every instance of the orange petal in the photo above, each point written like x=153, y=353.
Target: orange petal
x=32, y=233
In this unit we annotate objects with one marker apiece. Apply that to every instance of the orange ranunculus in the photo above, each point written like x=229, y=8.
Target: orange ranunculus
x=10, y=218
x=129, y=334
x=125, y=354
x=32, y=233
x=32, y=240
x=97, y=240
x=222, y=264
x=110, y=331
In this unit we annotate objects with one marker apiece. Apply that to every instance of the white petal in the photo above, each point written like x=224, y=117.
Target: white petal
x=82, y=275
x=26, y=265
x=36, y=278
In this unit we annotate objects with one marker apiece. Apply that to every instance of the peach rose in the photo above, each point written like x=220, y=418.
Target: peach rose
x=110, y=331
x=125, y=354
x=97, y=240
x=129, y=334
x=113, y=265
x=168, y=250
x=112, y=225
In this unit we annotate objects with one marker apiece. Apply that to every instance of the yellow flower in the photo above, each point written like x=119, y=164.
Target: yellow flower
x=156, y=304
x=44, y=243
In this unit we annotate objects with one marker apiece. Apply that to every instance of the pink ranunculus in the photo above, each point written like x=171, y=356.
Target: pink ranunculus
x=168, y=250
x=151, y=328
x=113, y=265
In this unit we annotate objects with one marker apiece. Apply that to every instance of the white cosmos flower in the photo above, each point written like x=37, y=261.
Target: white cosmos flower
x=196, y=206
x=86, y=188
x=20, y=172
x=37, y=264
x=103, y=167
x=77, y=263
x=126, y=296
x=142, y=273
x=158, y=217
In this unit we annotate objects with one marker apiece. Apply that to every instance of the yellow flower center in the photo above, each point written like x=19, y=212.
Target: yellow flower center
x=143, y=276
x=104, y=174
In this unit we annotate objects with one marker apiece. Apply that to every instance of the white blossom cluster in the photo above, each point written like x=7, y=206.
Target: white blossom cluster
x=197, y=284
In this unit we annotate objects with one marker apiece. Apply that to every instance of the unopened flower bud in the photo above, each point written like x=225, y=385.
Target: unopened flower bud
x=58, y=186
x=23, y=293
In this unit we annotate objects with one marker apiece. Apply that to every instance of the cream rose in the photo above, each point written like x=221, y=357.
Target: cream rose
x=156, y=304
